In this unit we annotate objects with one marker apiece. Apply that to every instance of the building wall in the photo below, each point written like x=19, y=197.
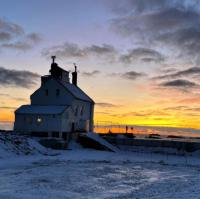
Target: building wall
x=66, y=120
x=80, y=113
x=83, y=116
x=91, y=125
x=50, y=123
x=40, y=97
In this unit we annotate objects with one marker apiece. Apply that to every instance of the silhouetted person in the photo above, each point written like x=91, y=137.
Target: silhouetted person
x=126, y=129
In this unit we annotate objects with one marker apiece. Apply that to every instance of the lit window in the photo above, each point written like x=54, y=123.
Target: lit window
x=39, y=120
x=57, y=92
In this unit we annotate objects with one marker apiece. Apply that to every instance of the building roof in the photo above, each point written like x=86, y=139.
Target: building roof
x=43, y=110
x=76, y=91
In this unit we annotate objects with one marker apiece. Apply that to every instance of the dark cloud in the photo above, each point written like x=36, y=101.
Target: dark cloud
x=106, y=51
x=74, y=50
x=18, y=78
x=187, y=40
x=163, y=24
x=5, y=95
x=27, y=43
x=106, y=105
x=101, y=50
x=137, y=6
x=179, y=83
x=33, y=37
x=142, y=54
x=10, y=28
x=8, y=107
x=91, y=74
x=65, y=50
x=191, y=72
x=156, y=25
x=132, y=75
x=13, y=36
x=17, y=46
x=4, y=36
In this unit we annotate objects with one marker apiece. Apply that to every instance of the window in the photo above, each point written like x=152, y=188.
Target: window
x=28, y=120
x=57, y=92
x=66, y=115
x=39, y=120
x=82, y=110
x=76, y=111
x=46, y=92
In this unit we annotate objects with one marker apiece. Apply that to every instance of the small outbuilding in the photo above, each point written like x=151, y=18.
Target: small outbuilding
x=57, y=108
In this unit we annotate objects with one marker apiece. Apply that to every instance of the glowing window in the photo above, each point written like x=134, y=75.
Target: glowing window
x=39, y=120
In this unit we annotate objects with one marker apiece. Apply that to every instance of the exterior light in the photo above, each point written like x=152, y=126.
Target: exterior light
x=39, y=120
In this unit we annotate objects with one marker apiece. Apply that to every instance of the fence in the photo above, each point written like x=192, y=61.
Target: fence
x=109, y=127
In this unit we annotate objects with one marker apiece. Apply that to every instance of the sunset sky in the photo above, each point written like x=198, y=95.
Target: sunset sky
x=138, y=59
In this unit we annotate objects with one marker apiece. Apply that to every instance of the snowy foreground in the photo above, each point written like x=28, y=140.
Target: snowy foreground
x=30, y=171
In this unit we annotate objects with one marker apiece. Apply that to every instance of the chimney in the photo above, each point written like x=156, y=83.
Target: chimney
x=74, y=76
x=44, y=79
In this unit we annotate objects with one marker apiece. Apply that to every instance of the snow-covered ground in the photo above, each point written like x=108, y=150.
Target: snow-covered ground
x=82, y=173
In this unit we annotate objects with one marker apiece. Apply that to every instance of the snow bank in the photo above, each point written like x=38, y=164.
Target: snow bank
x=12, y=144
x=15, y=148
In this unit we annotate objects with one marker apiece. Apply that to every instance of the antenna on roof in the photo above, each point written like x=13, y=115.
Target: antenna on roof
x=53, y=59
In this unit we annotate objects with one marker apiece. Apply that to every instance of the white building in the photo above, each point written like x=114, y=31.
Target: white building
x=57, y=108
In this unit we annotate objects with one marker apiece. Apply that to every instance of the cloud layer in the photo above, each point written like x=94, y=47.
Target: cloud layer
x=180, y=83
x=106, y=51
x=142, y=54
x=94, y=73
x=73, y=50
x=106, y=105
x=18, y=78
x=13, y=36
x=168, y=24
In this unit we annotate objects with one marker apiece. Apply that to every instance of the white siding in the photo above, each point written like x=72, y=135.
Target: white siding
x=60, y=123
x=50, y=123
x=82, y=119
x=39, y=97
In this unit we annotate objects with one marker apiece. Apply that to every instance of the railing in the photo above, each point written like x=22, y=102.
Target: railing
x=109, y=127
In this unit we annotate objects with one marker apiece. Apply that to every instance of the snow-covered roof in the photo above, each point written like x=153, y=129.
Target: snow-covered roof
x=35, y=109
x=76, y=91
